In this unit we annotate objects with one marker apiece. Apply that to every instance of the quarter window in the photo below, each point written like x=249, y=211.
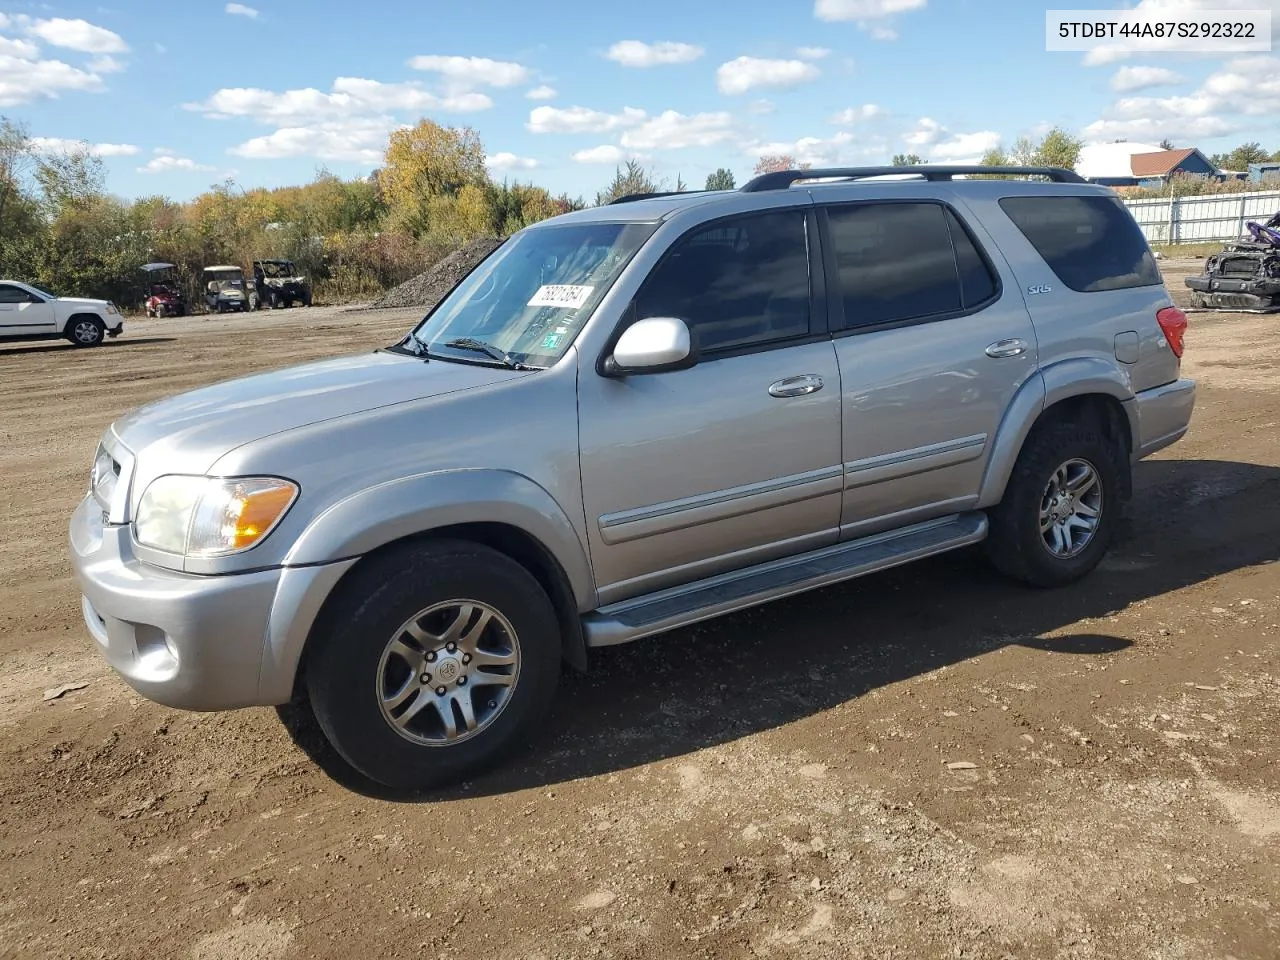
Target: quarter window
x=1090, y=243
x=738, y=282
x=905, y=261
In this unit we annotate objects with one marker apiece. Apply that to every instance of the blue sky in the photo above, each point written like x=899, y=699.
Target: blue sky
x=178, y=95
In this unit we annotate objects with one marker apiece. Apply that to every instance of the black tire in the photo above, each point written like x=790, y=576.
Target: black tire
x=273, y=301
x=86, y=331
x=345, y=660
x=1015, y=543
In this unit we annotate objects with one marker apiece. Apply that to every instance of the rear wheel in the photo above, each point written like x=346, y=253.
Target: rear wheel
x=86, y=331
x=434, y=665
x=1060, y=507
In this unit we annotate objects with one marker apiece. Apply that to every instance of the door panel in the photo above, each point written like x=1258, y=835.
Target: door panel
x=697, y=471
x=934, y=351
x=19, y=316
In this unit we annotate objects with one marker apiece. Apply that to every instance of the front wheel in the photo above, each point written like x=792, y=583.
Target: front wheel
x=1060, y=507
x=434, y=665
x=87, y=331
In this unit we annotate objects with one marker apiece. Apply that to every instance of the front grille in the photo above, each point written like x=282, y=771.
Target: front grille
x=1242, y=267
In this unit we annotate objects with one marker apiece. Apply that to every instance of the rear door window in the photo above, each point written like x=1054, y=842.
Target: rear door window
x=905, y=261
x=1090, y=243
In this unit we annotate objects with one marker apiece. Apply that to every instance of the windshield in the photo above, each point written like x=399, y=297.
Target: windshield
x=41, y=290
x=226, y=281
x=277, y=269
x=532, y=295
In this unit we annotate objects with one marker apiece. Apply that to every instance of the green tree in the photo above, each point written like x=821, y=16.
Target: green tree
x=633, y=178
x=906, y=160
x=1242, y=156
x=1058, y=149
x=1166, y=144
x=722, y=179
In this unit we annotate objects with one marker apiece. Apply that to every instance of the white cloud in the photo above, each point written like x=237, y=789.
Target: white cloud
x=1230, y=99
x=750, y=73
x=543, y=92
x=106, y=64
x=23, y=80
x=1127, y=79
x=22, y=49
x=63, y=145
x=674, y=131
x=509, y=161
x=961, y=146
x=167, y=163
x=240, y=10
x=812, y=53
x=634, y=53
x=78, y=35
x=815, y=151
x=852, y=115
x=873, y=16
x=605, y=153
x=581, y=120
x=761, y=106
x=357, y=141
x=350, y=97
x=927, y=131
x=473, y=71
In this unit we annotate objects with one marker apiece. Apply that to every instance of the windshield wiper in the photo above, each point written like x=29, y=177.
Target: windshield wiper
x=494, y=353
x=410, y=346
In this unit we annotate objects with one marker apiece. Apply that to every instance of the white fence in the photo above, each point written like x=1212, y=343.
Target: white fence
x=1202, y=219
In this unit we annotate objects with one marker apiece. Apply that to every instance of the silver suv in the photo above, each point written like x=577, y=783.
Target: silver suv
x=626, y=420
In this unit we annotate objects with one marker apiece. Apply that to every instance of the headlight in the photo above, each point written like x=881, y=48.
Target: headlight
x=210, y=516
x=103, y=478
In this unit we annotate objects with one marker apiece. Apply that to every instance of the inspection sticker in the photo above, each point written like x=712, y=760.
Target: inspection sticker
x=561, y=295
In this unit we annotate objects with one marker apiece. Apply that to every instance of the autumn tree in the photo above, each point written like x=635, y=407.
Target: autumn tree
x=722, y=179
x=778, y=162
x=428, y=167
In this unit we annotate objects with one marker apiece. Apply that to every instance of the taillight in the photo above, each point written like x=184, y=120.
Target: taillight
x=1174, y=324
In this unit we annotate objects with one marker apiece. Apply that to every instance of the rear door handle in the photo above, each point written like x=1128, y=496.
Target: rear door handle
x=1007, y=348
x=796, y=386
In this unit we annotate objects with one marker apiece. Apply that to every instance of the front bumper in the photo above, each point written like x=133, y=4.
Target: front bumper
x=1164, y=414
x=194, y=642
x=1204, y=283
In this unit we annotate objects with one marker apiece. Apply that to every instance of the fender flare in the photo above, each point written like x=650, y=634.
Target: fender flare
x=1079, y=376
x=391, y=511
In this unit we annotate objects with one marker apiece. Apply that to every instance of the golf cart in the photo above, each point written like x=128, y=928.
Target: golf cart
x=163, y=291
x=278, y=284
x=224, y=290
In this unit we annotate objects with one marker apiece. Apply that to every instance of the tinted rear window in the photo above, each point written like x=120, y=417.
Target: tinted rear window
x=1090, y=243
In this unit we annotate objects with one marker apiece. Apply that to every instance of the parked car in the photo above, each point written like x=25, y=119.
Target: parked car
x=278, y=284
x=224, y=290
x=29, y=313
x=163, y=287
x=626, y=420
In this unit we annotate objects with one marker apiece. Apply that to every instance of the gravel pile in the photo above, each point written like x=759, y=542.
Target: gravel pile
x=427, y=288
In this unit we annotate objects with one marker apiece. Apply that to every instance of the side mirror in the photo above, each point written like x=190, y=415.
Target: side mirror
x=653, y=345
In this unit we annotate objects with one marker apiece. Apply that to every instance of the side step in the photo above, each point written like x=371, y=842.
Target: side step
x=681, y=606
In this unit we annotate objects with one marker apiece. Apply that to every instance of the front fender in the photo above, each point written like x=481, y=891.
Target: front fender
x=390, y=511
x=1076, y=377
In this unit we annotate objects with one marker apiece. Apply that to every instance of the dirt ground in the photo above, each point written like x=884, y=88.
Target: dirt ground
x=931, y=763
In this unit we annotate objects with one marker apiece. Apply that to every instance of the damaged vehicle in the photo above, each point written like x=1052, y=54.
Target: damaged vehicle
x=278, y=284
x=1245, y=275
x=163, y=291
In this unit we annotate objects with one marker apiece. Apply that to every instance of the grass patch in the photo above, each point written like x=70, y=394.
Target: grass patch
x=1175, y=250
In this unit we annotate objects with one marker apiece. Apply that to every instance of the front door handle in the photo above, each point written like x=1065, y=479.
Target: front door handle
x=796, y=386
x=1007, y=348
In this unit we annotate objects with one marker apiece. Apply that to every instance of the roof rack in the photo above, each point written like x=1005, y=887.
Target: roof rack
x=783, y=179
x=632, y=197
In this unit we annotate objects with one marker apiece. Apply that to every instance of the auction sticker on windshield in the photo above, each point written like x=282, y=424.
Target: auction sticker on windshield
x=561, y=295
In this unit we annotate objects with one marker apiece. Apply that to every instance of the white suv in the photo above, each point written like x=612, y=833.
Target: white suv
x=29, y=313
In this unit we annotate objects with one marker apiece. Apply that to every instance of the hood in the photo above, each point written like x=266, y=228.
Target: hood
x=87, y=301
x=189, y=432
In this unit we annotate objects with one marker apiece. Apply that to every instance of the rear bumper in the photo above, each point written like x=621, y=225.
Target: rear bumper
x=1163, y=416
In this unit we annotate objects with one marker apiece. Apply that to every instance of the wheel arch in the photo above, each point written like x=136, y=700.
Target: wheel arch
x=1087, y=390
x=81, y=315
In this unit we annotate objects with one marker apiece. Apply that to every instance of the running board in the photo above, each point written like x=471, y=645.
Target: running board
x=684, y=605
